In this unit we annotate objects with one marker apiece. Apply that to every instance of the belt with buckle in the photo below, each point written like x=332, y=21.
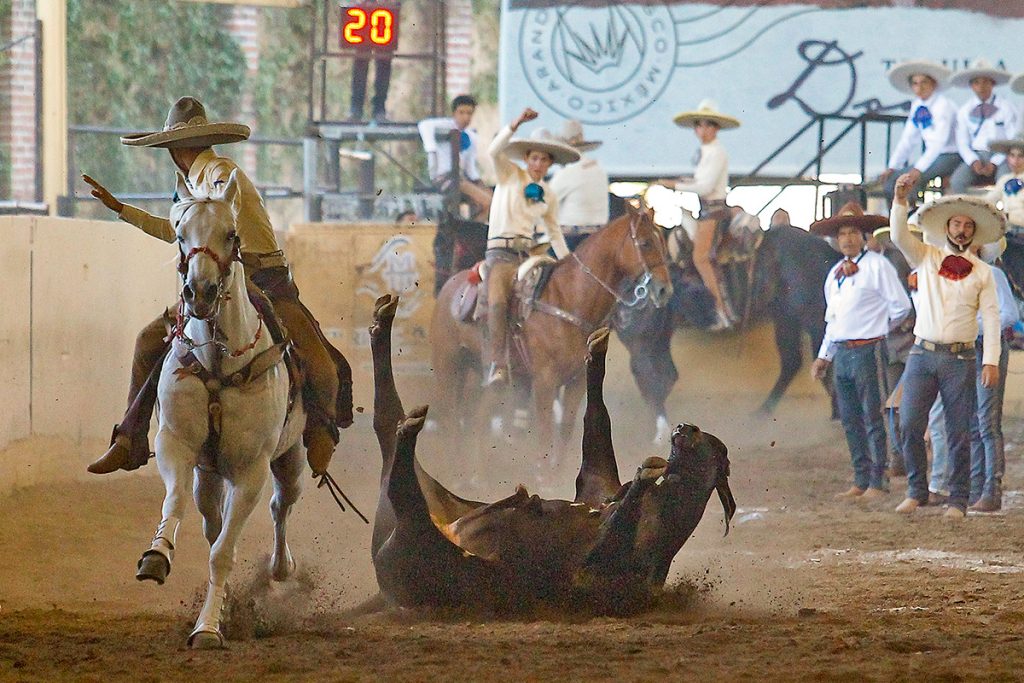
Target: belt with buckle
x=955, y=347
x=273, y=259
x=511, y=243
x=856, y=343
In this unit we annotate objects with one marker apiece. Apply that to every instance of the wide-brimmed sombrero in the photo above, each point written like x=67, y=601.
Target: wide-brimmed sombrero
x=187, y=126
x=1006, y=144
x=541, y=140
x=572, y=134
x=1017, y=84
x=707, y=110
x=901, y=74
x=979, y=68
x=850, y=214
x=989, y=222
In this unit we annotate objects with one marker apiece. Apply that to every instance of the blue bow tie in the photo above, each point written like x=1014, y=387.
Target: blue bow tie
x=1013, y=186
x=533, y=193
x=922, y=117
x=464, y=141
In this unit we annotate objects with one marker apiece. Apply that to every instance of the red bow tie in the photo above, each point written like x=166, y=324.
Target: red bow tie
x=846, y=269
x=955, y=268
x=912, y=282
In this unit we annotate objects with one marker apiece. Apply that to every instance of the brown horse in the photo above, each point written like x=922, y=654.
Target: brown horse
x=552, y=340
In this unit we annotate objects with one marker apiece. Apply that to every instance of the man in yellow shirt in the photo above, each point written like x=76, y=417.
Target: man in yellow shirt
x=188, y=136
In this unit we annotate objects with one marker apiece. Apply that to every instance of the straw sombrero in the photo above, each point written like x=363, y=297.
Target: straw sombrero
x=187, y=126
x=901, y=74
x=1017, y=84
x=572, y=134
x=990, y=223
x=979, y=68
x=850, y=214
x=541, y=140
x=1005, y=145
x=707, y=110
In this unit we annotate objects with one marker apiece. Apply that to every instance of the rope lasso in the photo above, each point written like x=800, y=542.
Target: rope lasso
x=327, y=480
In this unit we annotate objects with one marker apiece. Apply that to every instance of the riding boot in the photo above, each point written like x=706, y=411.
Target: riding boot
x=320, y=442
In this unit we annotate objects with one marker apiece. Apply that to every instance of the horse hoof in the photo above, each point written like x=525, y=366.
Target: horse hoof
x=153, y=567
x=206, y=640
x=279, y=574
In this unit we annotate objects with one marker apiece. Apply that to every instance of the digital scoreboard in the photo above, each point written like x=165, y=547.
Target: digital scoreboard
x=369, y=27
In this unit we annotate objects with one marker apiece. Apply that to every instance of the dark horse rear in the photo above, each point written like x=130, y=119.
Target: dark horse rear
x=787, y=288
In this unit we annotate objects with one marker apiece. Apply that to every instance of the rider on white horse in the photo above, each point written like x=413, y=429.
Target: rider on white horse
x=188, y=136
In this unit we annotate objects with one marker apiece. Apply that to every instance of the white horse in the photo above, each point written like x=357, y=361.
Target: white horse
x=225, y=411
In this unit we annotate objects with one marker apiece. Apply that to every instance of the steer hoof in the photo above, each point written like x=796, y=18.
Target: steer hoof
x=651, y=468
x=153, y=567
x=598, y=340
x=385, y=307
x=413, y=424
x=206, y=640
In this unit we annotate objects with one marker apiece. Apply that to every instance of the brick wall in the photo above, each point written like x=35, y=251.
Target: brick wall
x=459, y=49
x=18, y=103
x=244, y=26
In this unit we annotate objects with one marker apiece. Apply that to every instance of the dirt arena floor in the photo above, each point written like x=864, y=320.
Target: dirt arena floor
x=801, y=589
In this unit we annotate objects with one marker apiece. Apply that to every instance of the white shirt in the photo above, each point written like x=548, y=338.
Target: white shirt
x=947, y=310
x=973, y=135
x=711, y=177
x=1013, y=204
x=1009, y=315
x=511, y=214
x=582, y=191
x=937, y=133
x=439, y=156
x=864, y=305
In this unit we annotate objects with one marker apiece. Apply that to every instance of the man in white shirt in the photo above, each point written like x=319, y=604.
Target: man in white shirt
x=581, y=189
x=931, y=123
x=523, y=206
x=1009, y=188
x=710, y=182
x=439, y=154
x=983, y=118
x=865, y=300
x=954, y=286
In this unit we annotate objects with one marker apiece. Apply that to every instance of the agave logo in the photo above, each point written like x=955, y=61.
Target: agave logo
x=598, y=64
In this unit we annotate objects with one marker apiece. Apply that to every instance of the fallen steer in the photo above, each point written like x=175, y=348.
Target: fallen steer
x=608, y=551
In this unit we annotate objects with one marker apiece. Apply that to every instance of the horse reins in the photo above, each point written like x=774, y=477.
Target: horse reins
x=642, y=288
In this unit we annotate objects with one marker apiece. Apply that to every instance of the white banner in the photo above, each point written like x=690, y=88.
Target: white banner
x=625, y=70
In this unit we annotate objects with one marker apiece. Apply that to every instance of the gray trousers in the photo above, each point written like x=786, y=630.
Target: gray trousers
x=964, y=176
x=943, y=165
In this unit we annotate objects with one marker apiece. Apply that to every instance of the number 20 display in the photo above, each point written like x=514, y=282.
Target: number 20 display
x=369, y=28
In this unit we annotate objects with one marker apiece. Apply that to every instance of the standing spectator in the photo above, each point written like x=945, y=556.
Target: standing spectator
x=865, y=300
x=983, y=118
x=439, y=155
x=381, y=78
x=954, y=285
x=581, y=189
x=931, y=123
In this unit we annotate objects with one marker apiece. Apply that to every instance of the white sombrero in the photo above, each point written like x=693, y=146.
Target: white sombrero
x=707, y=110
x=187, y=126
x=1017, y=84
x=1005, y=145
x=989, y=222
x=541, y=140
x=979, y=68
x=901, y=74
x=572, y=134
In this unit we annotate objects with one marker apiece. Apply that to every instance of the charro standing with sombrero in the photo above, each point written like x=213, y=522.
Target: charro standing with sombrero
x=523, y=205
x=581, y=189
x=931, y=123
x=953, y=286
x=865, y=300
x=710, y=182
x=188, y=136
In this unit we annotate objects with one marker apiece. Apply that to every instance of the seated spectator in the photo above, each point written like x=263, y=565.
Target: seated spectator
x=983, y=118
x=931, y=123
x=1008, y=189
x=439, y=156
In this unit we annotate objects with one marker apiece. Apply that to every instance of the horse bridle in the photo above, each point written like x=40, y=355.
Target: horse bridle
x=641, y=290
x=224, y=268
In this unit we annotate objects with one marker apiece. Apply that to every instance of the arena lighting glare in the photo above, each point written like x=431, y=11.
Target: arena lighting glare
x=373, y=28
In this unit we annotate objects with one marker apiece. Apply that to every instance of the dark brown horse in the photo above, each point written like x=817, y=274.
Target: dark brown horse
x=578, y=298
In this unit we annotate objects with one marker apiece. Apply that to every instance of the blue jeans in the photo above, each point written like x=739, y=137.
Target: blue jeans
x=952, y=376
x=988, y=457
x=858, y=374
x=939, y=480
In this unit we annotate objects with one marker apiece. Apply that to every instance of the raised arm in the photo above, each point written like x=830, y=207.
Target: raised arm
x=911, y=247
x=152, y=225
x=503, y=166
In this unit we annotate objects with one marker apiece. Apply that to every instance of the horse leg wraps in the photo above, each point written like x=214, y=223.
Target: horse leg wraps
x=213, y=608
x=166, y=535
